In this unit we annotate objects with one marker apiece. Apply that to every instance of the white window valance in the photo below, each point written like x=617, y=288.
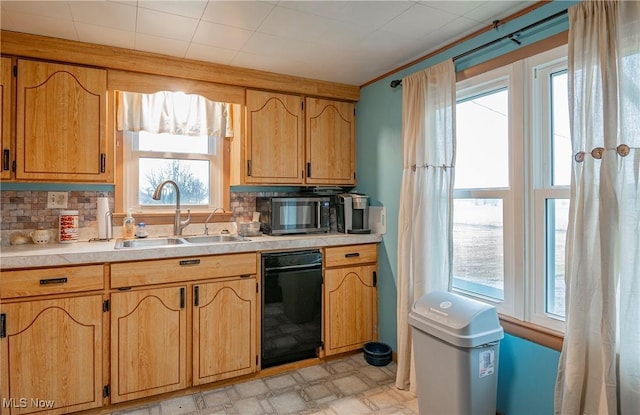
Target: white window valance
x=171, y=112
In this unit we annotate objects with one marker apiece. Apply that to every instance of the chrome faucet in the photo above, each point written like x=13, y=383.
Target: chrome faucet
x=206, y=222
x=178, y=224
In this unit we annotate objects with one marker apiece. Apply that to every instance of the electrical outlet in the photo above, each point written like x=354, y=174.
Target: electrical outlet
x=56, y=200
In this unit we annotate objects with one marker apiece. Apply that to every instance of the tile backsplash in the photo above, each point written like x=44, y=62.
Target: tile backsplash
x=27, y=210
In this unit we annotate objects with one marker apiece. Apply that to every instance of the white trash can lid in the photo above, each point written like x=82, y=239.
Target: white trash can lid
x=455, y=319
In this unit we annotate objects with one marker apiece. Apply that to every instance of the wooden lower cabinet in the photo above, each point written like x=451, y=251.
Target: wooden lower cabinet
x=224, y=330
x=51, y=355
x=148, y=342
x=350, y=297
x=182, y=322
x=350, y=308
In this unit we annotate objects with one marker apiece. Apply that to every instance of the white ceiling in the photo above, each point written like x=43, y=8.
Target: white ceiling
x=349, y=42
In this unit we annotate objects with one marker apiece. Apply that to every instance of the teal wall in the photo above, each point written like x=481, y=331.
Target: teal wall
x=379, y=165
x=526, y=377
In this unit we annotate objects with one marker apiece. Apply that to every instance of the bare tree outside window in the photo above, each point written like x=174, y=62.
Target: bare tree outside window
x=192, y=190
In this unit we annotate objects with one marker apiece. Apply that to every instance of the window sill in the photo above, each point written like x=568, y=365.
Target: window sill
x=532, y=332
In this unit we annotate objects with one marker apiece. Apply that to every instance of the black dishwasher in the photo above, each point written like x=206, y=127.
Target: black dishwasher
x=291, y=306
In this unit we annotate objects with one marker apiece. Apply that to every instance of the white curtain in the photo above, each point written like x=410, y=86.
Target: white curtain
x=599, y=370
x=424, y=221
x=171, y=112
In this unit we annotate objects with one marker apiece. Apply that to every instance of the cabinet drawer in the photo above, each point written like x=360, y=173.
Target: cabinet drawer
x=182, y=269
x=350, y=255
x=51, y=281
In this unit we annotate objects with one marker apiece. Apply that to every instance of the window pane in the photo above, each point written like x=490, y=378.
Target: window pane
x=482, y=141
x=556, y=217
x=191, y=176
x=478, y=246
x=172, y=143
x=561, y=136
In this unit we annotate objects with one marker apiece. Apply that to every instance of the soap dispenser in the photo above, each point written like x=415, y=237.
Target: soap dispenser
x=129, y=226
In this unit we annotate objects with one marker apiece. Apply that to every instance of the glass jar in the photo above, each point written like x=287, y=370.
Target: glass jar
x=142, y=230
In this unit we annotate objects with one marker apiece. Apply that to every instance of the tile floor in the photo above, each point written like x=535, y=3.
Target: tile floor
x=343, y=386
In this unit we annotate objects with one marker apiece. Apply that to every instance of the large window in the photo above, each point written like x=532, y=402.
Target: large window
x=551, y=179
x=510, y=209
x=172, y=136
x=194, y=163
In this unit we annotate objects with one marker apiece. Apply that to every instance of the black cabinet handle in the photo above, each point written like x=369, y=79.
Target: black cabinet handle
x=3, y=326
x=5, y=159
x=248, y=167
x=308, y=169
x=352, y=255
x=196, y=296
x=182, y=297
x=375, y=279
x=60, y=280
x=103, y=162
x=185, y=262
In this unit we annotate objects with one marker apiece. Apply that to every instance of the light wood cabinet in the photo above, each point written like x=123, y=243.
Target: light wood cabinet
x=288, y=143
x=46, y=281
x=197, y=325
x=274, y=138
x=330, y=132
x=224, y=330
x=7, y=107
x=350, y=296
x=148, y=342
x=51, y=355
x=61, y=132
x=176, y=270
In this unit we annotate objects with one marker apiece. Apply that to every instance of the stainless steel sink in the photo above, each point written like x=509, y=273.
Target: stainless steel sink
x=151, y=242
x=177, y=240
x=207, y=239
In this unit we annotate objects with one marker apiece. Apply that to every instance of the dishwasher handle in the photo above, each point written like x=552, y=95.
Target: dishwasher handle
x=294, y=267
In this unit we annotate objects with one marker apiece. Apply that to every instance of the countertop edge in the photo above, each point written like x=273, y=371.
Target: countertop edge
x=79, y=253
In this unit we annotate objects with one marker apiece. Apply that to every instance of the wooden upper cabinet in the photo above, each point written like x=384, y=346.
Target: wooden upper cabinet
x=5, y=118
x=274, y=141
x=330, y=142
x=61, y=124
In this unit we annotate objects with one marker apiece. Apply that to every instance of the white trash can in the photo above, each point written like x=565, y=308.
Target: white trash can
x=456, y=343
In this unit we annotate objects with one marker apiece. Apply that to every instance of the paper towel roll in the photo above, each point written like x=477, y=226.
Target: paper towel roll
x=101, y=216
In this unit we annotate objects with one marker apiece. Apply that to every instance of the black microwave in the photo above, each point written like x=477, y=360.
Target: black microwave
x=293, y=214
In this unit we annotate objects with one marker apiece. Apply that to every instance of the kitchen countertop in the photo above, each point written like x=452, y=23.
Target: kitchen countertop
x=55, y=254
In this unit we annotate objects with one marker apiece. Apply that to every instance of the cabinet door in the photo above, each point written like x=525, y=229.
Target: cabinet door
x=330, y=142
x=224, y=330
x=148, y=342
x=350, y=308
x=274, y=138
x=51, y=355
x=5, y=118
x=61, y=127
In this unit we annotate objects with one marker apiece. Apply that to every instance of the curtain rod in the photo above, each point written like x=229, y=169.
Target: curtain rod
x=511, y=36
